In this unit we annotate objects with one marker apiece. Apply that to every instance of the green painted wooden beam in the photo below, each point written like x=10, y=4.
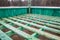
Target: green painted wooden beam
x=39, y=26
x=36, y=34
x=2, y=27
x=46, y=24
x=48, y=35
x=50, y=18
x=3, y=36
x=10, y=33
x=19, y=32
x=52, y=21
x=40, y=19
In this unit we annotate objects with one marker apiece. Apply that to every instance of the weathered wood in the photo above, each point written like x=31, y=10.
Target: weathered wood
x=48, y=35
x=19, y=32
x=3, y=36
x=39, y=26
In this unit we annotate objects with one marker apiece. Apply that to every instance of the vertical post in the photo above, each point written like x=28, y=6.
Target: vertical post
x=29, y=5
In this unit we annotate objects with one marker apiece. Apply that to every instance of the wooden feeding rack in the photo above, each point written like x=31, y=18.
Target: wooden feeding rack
x=46, y=26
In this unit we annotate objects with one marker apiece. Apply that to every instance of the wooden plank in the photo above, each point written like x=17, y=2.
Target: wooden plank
x=48, y=35
x=35, y=34
x=39, y=26
x=19, y=32
x=45, y=17
x=40, y=19
x=47, y=24
x=3, y=36
x=2, y=27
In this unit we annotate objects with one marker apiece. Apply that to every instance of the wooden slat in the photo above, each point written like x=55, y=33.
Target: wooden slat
x=3, y=36
x=2, y=27
x=48, y=35
x=40, y=20
x=51, y=25
x=44, y=27
x=19, y=32
x=51, y=18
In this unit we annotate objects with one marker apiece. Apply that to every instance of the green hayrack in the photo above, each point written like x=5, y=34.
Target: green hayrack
x=41, y=21
x=33, y=19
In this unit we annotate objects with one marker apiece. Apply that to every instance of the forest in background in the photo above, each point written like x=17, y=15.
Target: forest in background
x=33, y=3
